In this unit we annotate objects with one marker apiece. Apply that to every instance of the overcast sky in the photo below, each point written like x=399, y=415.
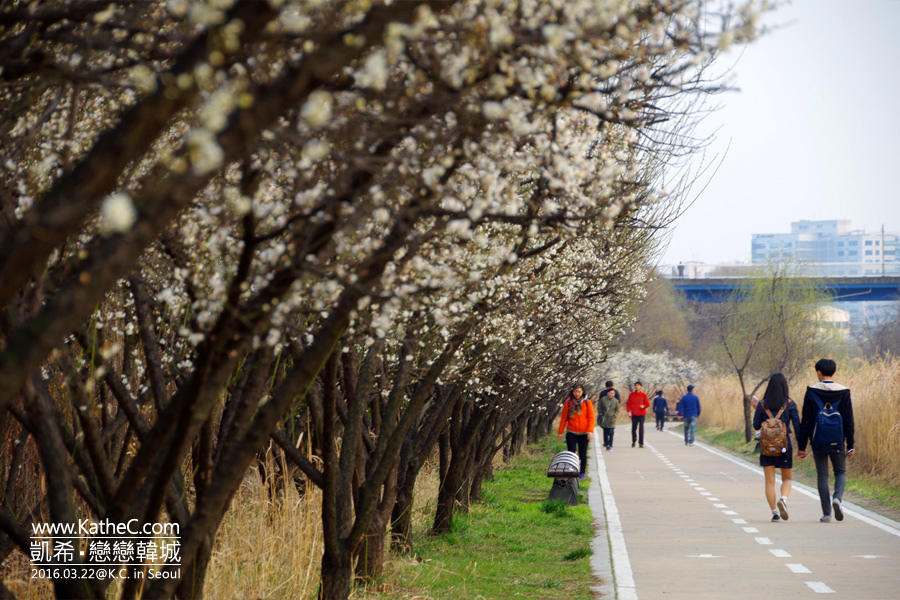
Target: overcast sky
x=814, y=131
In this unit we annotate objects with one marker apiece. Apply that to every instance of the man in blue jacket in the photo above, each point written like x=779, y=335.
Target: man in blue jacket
x=689, y=410
x=660, y=407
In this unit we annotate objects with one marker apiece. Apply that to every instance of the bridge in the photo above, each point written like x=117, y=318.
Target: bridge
x=841, y=289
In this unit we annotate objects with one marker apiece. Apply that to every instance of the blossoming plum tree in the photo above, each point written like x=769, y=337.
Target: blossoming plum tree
x=224, y=219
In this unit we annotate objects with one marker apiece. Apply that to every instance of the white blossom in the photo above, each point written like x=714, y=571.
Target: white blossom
x=374, y=74
x=203, y=13
x=215, y=111
x=143, y=78
x=105, y=15
x=205, y=153
x=316, y=150
x=117, y=214
x=317, y=109
x=178, y=8
x=494, y=111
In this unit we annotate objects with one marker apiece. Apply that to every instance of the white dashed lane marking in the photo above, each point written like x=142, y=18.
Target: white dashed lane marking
x=797, y=568
x=819, y=587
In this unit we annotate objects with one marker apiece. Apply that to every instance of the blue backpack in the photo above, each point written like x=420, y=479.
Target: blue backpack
x=828, y=436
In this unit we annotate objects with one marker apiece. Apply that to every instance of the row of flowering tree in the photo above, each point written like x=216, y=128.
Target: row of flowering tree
x=355, y=230
x=655, y=371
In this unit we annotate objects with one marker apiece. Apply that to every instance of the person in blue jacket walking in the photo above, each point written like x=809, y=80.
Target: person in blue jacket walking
x=689, y=410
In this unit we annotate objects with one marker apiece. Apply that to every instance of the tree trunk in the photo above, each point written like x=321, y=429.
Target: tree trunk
x=192, y=581
x=443, y=455
x=401, y=516
x=443, y=514
x=454, y=490
x=748, y=419
x=485, y=472
x=370, y=554
x=337, y=575
x=475, y=488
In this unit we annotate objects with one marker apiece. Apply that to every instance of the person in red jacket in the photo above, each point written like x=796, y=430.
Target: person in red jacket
x=577, y=421
x=637, y=409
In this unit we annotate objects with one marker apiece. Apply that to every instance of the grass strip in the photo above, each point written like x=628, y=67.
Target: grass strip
x=514, y=544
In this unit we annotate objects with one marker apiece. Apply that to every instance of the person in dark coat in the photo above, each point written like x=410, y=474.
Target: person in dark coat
x=660, y=408
x=608, y=411
x=776, y=397
x=828, y=392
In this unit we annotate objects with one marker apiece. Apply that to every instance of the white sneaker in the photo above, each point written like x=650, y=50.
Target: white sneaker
x=782, y=508
x=838, y=513
x=825, y=519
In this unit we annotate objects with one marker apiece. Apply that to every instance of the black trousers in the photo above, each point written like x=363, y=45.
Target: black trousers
x=608, y=433
x=660, y=420
x=637, y=428
x=580, y=440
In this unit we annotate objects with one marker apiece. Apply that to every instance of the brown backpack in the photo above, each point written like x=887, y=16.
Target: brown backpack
x=773, y=434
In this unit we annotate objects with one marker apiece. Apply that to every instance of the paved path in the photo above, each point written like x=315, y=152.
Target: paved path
x=693, y=523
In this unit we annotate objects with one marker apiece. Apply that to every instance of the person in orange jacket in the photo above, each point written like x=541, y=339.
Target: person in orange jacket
x=637, y=406
x=578, y=422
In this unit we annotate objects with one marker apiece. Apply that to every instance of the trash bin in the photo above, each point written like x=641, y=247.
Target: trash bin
x=565, y=468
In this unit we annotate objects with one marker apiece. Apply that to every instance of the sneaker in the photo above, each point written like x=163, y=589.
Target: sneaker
x=838, y=512
x=581, y=476
x=775, y=517
x=825, y=519
x=782, y=509
x=642, y=445
x=632, y=444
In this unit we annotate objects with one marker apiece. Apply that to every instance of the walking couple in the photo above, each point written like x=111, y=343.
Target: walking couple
x=777, y=404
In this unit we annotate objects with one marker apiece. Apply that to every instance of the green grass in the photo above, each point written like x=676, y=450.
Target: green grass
x=515, y=544
x=866, y=488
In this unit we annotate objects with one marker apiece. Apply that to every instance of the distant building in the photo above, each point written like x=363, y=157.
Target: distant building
x=836, y=248
x=831, y=318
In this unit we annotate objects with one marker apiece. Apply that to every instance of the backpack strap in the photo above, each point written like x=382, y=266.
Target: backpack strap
x=815, y=398
x=819, y=402
x=780, y=412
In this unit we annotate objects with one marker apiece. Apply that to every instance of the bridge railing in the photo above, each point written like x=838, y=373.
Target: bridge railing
x=696, y=270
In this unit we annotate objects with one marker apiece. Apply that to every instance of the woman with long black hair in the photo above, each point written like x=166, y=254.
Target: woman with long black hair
x=777, y=403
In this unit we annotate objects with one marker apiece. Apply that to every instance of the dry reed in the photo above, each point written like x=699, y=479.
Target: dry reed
x=266, y=548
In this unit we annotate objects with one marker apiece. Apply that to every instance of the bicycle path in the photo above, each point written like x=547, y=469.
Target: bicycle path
x=692, y=522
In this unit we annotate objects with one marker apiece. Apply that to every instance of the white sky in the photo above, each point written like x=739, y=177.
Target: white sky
x=814, y=131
